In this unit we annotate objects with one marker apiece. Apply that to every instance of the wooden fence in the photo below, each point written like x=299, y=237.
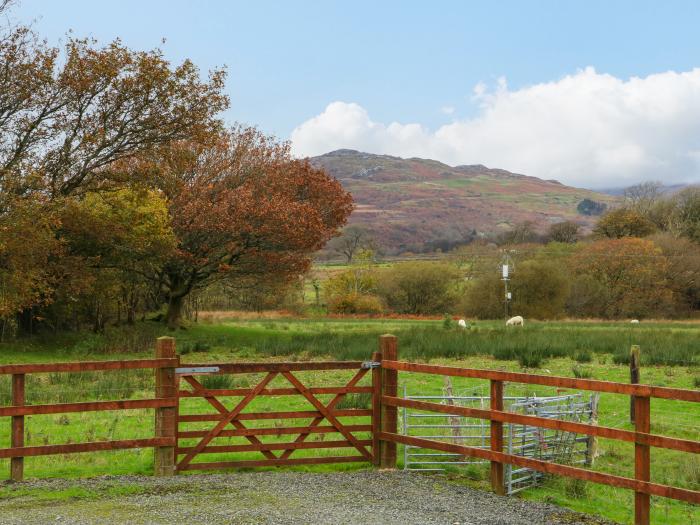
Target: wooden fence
x=173, y=384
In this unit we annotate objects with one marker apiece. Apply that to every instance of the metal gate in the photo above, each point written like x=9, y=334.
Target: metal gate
x=522, y=440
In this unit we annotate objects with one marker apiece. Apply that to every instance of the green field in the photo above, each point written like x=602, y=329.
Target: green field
x=597, y=350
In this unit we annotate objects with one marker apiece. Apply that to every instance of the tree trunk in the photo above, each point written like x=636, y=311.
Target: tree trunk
x=174, y=315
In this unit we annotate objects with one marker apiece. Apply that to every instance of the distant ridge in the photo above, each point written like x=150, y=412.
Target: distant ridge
x=420, y=204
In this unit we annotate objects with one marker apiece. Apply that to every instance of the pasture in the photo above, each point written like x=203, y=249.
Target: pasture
x=583, y=349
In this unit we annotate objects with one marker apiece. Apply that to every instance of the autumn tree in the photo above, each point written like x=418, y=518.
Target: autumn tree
x=623, y=222
x=630, y=273
x=352, y=239
x=241, y=208
x=567, y=231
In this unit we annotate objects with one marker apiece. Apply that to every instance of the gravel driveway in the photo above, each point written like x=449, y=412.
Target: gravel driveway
x=272, y=497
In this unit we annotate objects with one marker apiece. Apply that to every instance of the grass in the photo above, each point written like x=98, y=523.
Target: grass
x=581, y=349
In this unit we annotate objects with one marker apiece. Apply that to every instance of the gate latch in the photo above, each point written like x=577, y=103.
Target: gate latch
x=367, y=365
x=191, y=370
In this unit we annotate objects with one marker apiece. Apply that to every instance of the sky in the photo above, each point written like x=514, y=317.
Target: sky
x=596, y=94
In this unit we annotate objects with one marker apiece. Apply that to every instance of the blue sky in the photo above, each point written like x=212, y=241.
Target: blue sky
x=417, y=64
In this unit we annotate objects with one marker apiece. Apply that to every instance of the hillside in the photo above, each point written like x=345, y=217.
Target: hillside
x=414, y=204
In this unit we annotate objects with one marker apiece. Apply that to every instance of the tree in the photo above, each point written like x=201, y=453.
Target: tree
x=566, y=231
x=540, y=289
x=351, y=240
x=419, y=287
x=241, y=207
x=632, y=274
x=523, y=232
x=683, y=271
x=623, y=222
x=686, y=213
x=643, y=197
x=66, y=118
x=591, y=207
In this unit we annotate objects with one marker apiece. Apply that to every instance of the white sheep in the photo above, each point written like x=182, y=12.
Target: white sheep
x=462, y=323
x=515, y=321
x=634, y=321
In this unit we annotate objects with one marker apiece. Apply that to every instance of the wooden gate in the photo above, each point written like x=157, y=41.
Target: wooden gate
x=242, y=416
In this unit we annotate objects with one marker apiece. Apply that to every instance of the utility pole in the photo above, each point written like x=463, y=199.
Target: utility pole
x=507, y=267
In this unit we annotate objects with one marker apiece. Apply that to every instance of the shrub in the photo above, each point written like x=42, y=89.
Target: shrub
x=419, y=287
x=354, y=303
x=582, y=372
x=583, y=356
x=531, y=358
x=447, y=322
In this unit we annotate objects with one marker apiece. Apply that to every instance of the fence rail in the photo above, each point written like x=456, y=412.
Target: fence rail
x=641, y=436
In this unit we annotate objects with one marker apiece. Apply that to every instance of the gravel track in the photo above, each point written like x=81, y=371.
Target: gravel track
x=279, y=497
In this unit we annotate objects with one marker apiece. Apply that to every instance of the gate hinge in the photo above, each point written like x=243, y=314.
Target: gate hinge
x=366, y=365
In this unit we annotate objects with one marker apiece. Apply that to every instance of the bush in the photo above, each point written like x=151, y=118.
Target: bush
x=353, y=303
x=583, y=356
x=447, y=322
x=582, y=372
x=419, y=287
x=576, y=488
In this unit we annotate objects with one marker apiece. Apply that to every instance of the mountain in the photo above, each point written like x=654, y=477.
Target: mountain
x=418, y=204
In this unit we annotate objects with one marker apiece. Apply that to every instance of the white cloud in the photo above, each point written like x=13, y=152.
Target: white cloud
x=586, y=129
x=447, y=110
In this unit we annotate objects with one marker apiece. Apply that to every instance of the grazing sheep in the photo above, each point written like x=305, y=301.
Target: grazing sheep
x=515, y=321
x=634, y=321
x=462, y=323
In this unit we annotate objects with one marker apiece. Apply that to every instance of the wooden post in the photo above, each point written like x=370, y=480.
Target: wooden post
x=592, y=443
x=497, y=438
x=642, y=460
x=166, y=417
x=376, y=407
x=389, y=414
x=635, y=366
x=17, y=437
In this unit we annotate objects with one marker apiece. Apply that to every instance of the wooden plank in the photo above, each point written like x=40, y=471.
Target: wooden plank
x=224, y=422
x=215, y=449
x=218, y=405
x=318, y=419
x=17, y=437
x=90, y=406
x=273, y=462
x=247, y=368
x=653, y=440
x=86, y=366
x=301, y=414
x=326, y=414
x=497, y=438
x=376, y=407
x=642, y=460
x=279, y=391
x=273, y=431
x=555, y=381
x=654, y=489
x=388, y=346
x=635, y=366
x=97, y=446
x=167, y=386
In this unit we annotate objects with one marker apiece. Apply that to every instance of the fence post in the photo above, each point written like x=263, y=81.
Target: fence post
x=376, y=407
x=497, y=438
x=642, y=459
x=389, y=414
x=166, y=417
x=635, y=365
x=17, y=438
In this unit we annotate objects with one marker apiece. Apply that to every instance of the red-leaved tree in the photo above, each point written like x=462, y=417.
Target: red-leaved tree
x=242, y=209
